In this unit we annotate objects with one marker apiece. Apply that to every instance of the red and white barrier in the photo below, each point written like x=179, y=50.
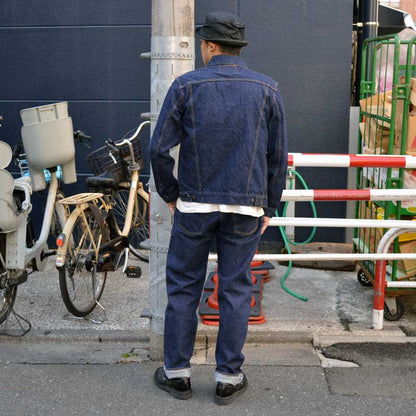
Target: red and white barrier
x=348, y=195
x=397, y=227
x=349, y=161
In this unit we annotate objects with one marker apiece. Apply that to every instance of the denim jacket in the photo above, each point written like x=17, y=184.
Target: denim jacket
x=230, y=124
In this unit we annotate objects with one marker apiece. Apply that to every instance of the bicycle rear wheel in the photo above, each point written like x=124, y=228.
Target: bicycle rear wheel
x=7, y=298
x=81, y=285
x=139, y=231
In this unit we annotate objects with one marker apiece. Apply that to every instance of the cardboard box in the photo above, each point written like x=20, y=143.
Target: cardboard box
x=408, y=267
x=411, y=120
x=370, y=236
x=413, y=92
x=411, y=133
x=409, y=182
x=379, y=104
x=375, y=138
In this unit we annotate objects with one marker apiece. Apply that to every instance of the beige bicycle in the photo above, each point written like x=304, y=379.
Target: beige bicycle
x=104, y=226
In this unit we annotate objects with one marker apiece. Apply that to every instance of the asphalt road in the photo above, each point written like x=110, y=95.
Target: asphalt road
x=310, y=358
x=120, y=383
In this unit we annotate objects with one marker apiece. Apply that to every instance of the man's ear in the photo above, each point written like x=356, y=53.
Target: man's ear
x=212, y=47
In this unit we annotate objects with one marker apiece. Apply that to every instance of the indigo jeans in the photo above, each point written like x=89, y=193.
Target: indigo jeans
x=237, y=237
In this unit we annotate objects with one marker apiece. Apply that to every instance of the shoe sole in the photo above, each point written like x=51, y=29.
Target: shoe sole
x=181, y=395
x=223, y=401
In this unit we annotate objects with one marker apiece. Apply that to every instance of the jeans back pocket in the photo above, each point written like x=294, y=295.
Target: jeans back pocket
x=191, y=223
x=245, y=225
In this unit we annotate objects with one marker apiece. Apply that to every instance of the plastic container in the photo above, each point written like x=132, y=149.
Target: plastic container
x=44, y=113
x=5, y=155
x=9, y=220
x=48, y=140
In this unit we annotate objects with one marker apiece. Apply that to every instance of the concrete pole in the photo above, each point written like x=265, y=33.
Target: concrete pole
x=172, y=54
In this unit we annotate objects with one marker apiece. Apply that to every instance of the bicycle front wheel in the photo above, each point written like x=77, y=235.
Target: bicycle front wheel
x=139, y=231
x=80, y=282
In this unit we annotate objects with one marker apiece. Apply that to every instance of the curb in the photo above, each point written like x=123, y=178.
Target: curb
x=324, y=341
x=70, y=336
x=208, y=336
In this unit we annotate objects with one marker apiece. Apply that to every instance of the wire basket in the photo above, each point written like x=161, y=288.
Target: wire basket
x=100, y=161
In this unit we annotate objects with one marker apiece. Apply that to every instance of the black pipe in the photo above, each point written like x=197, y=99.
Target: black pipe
x=367, y=15
x=370, y=20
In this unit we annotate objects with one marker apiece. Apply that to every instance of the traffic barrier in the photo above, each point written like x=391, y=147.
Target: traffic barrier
x=396, y=227
x=209, y=306
x=260, y=267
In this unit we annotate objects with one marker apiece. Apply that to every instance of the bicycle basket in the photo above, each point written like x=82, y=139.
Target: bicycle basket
x=100, y=161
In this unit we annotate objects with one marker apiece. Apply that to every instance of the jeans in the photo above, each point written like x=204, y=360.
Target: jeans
x=237, y=237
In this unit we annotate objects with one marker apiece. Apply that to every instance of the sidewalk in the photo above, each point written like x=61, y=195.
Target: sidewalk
x=66, y=366
x=338, y=308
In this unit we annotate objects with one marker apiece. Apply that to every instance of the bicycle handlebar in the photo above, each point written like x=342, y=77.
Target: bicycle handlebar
x=113, y=145
x=81, y=137
x=136, y=133
x=17, y=151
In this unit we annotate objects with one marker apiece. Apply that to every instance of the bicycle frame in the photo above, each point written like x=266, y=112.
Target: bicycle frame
x=85, y=201
x=134, y=183
x=130, y=204
x=18, y=255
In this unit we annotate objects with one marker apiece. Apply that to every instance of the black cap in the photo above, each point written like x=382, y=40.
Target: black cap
x=222, y=28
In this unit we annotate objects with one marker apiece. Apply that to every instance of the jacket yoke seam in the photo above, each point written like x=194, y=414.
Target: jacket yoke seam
x=265, y=84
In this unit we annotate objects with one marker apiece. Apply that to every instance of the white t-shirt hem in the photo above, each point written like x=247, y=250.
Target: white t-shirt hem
x=198, y=207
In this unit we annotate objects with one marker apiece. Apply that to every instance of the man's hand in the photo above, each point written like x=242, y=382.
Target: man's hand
x=265, y=224
x=172, y=207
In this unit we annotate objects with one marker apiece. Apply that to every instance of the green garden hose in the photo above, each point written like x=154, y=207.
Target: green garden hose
x=288, y=242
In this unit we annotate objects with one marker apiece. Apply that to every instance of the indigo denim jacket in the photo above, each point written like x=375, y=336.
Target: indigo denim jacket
x=230, y=124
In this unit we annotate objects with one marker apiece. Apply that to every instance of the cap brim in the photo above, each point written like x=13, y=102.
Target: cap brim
x=200, y=34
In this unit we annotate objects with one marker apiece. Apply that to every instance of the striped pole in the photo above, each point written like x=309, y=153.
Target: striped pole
x=332, y=257
x=348, y=195
x=348, y=161
x=379, y=291
x=380, y=277
x=340, y=222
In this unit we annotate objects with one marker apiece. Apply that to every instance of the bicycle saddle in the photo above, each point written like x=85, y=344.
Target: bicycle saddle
x=98, y=183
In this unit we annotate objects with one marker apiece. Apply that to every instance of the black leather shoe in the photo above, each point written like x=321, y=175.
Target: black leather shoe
x=179, y=388
x=227, y=393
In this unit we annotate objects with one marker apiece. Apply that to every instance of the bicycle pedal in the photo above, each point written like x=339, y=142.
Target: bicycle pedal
x=133, y=272
x=44, y=255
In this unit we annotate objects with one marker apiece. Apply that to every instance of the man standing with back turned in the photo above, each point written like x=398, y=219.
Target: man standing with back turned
x=230, y=124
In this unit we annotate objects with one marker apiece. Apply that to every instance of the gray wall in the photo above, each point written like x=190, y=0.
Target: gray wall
x=87, y=52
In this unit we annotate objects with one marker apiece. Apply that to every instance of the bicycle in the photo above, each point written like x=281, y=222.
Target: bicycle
x=97, y=236
x=20, y=252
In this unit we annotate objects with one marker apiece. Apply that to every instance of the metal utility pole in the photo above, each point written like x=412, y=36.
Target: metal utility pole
x=172, y=54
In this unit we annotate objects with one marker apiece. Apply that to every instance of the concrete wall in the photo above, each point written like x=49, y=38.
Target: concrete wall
x=87, y=52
